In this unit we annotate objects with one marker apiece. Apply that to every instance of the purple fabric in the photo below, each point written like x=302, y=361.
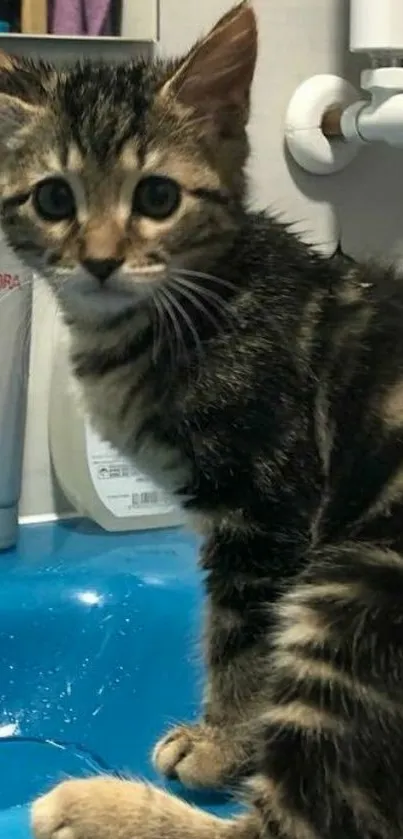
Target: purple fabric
x=79, y=17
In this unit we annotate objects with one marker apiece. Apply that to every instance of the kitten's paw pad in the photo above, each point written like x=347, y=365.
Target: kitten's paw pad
x=198, y=756
x=96, y=808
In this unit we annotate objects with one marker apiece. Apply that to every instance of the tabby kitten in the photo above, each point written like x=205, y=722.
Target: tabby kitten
x=263, y=386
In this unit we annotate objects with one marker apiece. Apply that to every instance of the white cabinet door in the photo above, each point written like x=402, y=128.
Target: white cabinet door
x=140, y=20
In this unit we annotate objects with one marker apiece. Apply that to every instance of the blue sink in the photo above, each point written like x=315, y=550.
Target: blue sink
x=98, y=656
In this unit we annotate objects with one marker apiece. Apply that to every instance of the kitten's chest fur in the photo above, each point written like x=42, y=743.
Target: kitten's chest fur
x=118, y=396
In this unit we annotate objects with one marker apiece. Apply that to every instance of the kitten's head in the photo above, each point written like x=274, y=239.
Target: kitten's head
x=115, y=178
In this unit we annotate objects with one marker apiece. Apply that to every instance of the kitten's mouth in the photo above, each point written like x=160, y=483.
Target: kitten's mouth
x=85, y=293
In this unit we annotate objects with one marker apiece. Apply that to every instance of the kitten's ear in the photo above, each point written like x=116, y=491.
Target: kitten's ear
x=16, y=111
x=217, y=74
x=14, y=116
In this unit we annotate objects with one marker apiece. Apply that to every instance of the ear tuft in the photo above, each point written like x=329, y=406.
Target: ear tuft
x=18, y=99
x=6, y=62
x=15, y=114
x=217, y=74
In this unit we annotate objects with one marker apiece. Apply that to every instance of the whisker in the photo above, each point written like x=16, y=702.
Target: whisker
x=207, y=293
x=205, y=276
x=196, y=302
x=157, y=315
x=167, y=303
x=178, y=306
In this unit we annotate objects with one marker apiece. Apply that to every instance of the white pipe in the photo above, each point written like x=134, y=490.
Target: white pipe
x=381, y=118
x=376, y=118
x=376, y=26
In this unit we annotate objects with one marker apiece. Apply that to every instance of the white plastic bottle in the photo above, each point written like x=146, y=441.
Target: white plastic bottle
x=98, y=481
x=15, y=329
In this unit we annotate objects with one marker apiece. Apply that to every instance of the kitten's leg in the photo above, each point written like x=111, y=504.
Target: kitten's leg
x=332, y=757
x=218, y=750
x=108, y=808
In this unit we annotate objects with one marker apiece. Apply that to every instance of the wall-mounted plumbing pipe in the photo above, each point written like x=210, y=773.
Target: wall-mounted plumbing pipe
x=328, y=120
x=376, y=27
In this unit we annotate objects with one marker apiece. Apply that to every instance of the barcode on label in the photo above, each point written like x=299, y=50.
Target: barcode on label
x=142, y=499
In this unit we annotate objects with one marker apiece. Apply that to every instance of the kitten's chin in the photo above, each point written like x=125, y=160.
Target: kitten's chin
x=82, y=297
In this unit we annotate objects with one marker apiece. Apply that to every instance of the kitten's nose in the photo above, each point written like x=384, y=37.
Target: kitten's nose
x=102, y=268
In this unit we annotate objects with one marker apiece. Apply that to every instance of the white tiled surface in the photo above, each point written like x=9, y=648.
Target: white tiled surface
x=298, y=38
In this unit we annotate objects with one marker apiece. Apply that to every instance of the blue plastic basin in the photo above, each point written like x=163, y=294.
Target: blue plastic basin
x=99, y=654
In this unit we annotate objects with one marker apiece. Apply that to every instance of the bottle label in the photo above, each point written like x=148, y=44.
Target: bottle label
x=122, y=488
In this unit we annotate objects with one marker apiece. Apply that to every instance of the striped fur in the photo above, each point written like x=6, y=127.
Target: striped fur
x=262, y=385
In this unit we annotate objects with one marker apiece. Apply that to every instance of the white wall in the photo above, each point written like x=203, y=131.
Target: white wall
x=364, y=204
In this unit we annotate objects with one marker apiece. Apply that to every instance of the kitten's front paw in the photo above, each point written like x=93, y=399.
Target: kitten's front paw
x=200, y=756
x=96, y=808
x=107, y=808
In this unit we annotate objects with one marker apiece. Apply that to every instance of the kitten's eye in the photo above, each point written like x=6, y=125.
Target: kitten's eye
x=53, y=200
x=156, y=197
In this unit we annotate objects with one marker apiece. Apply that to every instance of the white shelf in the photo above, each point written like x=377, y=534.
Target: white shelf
x=65, y=50
x=139, y=28
x=113, y=39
